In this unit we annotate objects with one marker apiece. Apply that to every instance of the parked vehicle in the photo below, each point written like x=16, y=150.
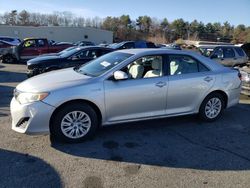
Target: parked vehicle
x=123, y=86
x=30, y=48
x=169, y=46
x=13, y=41
x=245, y=77
x=132, y=44
x=4, y=47
x=59, y=53
x=4, y=44
x=84, y=43
x=226, y=55
x=68, y=58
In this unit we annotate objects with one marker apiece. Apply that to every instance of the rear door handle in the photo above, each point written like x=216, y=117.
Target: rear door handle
x=208, y=79
x=160, y=84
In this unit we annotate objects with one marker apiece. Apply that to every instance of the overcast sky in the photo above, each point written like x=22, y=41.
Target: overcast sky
x=234, y=11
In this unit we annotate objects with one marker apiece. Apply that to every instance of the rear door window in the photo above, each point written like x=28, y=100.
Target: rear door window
x=228, y=53
x=183, y=64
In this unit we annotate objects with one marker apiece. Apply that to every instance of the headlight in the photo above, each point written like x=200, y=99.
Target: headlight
x=24, y=98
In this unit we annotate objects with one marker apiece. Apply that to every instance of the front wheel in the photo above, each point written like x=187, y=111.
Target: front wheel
x=74, y=123
x=8, y=59
x=212, y=107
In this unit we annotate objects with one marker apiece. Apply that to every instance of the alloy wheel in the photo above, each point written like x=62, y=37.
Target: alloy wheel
x=75, y=124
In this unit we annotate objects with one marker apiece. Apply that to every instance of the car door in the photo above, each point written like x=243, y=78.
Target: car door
x=189, y=82
x=138, y=96
x=28, y=49
x=42, y=46
x=229, y=57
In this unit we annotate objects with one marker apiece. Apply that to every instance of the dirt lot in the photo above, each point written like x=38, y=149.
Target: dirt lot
x=173, y=152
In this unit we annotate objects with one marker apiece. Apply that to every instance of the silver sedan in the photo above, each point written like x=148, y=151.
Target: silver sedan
x=123, y=86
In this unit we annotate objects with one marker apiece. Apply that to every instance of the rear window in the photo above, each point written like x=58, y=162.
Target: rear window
x=240, y=52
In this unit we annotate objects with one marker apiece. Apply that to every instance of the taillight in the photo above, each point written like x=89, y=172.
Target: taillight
x=240, y=76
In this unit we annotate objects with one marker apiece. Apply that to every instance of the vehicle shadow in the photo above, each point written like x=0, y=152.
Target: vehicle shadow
x=183, y=142
x=23, y=170
x=6, y=93
x=6, y=76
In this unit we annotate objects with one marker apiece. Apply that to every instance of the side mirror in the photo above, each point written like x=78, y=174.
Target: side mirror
x=120, y=75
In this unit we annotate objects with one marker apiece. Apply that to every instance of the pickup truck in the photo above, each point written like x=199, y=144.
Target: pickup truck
x=30, y=48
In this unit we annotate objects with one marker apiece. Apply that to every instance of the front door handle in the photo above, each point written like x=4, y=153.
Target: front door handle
x=160, y=84
x=208, y=79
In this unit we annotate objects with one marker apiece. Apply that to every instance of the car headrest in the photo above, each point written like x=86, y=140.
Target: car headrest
x=138, y=62
x=156, y=64
x=174, y=63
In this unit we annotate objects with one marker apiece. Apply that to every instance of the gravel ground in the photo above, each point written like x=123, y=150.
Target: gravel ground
x=172, y=152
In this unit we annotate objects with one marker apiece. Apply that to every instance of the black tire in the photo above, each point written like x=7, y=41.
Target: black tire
x=55, y=127
x=202, y=112
x=8, y=59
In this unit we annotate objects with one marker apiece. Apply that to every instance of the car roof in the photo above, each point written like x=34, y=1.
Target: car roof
x=215, y=46
x=93, y=47
x=156, y=51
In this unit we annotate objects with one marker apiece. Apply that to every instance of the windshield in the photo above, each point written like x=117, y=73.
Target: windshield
x=66, y=50
x=69, y=52
x=102, y=64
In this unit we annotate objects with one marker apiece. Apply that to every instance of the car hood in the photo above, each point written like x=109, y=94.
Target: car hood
x=53, y=80
x=42, y=59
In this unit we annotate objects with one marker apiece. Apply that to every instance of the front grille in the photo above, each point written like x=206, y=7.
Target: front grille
x=23, y=122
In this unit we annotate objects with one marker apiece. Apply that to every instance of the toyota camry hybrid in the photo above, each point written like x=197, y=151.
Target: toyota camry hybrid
x=123, y=86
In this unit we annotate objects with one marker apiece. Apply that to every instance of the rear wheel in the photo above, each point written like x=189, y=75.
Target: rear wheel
x=74, y=123
x=8, y=59
x=212, y=107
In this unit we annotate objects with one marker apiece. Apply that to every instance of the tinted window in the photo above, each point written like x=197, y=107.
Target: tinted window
x=129, y=45
x=228, y=53
x=202, y=68
x=151, y=45
x=40, y=43
x=29, y=43
x=240, y=52
x=218, y=53
x=104, y=52
x=181, y=64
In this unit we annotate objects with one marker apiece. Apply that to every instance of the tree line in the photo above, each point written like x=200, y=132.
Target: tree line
x=144, y=27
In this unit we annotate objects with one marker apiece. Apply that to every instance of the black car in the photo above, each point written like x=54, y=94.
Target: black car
x=71, y=58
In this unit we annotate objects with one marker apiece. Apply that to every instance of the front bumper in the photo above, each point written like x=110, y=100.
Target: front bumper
x=32, y=118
